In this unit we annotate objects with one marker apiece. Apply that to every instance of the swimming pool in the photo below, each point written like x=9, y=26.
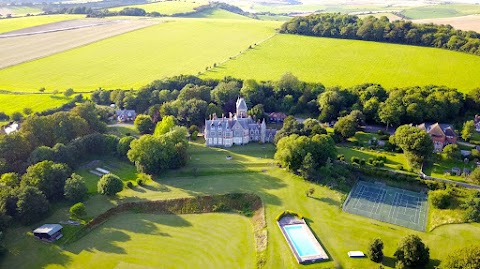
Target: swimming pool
x=301, y=240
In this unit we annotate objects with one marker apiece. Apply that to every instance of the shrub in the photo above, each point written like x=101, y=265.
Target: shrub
x=355, y=160
x=341, y=157
x=143, y=178
x=129, y=184
x=440, y=199
x=77, y=211
x=370, y=160
x=362, y=162
x=140, y=182
x=109, y=184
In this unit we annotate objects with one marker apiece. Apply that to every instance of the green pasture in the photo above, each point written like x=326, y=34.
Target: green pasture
x=143, y=241
x=12, y=24
x=441, y=11
x=134, y=59
x=216, y=13
x=37, y=102
x=166, y=7
x=352, y=62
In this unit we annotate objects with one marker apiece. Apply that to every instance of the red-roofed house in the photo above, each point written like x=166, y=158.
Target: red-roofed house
x=441, y=134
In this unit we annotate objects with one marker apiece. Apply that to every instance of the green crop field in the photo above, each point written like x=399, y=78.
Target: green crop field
x=8, y=25
x=183, y=46
x=167, y=7
x=37, y=102
x=216, y=13
x=351, y=62
x=441, y=11
x=146, y=241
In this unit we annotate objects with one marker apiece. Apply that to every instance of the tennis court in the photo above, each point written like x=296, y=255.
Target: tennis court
x=381, y=202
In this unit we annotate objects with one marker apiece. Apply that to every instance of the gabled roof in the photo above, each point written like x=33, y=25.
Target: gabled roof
x=49, y=229
x=436, y=130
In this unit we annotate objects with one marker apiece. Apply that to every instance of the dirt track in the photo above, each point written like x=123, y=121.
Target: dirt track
x=27, y=47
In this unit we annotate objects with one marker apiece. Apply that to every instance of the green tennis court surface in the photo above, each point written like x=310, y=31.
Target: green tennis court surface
x=388, y=204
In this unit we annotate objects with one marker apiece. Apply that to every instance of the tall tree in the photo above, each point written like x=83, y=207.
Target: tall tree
x=415, y=142
x=375, y=251
x=164, y=126
x=49, y=177
x=31, y=205
x=144, y=124
x=412, y=252
x=468, y=130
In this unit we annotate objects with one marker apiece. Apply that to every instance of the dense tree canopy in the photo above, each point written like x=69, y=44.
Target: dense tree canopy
x=381, y=29
x=465, y=258
x=157, y=153
x=416, y=143
x=48, y=177
x=75, y=189
x=144, y=124
x=293, y=149
x=412, y=252
x=31, y=205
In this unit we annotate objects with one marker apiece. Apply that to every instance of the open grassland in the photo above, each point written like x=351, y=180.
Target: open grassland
x=441, y=11
x=42, y=45
x=37, y=102
x=166, y=7
x=139, y=240
x=351, y=62
x=8, y=25
x=466, y=23
x=217, y=13
x=184, y=46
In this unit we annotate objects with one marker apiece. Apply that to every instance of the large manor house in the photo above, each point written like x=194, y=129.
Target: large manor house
x=237, y=129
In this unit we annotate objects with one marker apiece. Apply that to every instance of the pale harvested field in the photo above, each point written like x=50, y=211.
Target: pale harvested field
x=467, y=23
x=58, y=26
x=16, y=50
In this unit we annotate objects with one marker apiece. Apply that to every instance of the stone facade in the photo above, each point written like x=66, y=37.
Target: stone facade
x=237, y=129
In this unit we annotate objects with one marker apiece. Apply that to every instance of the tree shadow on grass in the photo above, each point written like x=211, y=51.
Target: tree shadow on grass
x=389, y=261
x=101, y=239
x=254, y=182
x=105, y=238
x=327, y=200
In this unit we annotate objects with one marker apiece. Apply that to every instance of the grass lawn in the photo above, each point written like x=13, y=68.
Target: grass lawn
x=352, y=62
x=442, y=164
x=394, y=160
x=156, y=241
x=145, y=236
x=134, y=59
x=12, y=24
x=441, y=11
x=166, y=7
x=37, y=102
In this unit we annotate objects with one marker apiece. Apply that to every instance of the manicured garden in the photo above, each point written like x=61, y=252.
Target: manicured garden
x=251, y=169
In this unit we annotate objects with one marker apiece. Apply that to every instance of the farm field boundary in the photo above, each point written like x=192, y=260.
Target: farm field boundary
x=183, y=46
x=45, y=44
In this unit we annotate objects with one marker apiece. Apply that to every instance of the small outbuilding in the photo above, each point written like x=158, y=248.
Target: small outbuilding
x=356, y=254
x=48, y=232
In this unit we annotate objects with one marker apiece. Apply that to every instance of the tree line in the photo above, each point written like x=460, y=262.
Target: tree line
x=338, y=25
x=191, y=100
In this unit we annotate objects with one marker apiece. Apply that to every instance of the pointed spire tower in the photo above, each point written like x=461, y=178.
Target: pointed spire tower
x=241, y=108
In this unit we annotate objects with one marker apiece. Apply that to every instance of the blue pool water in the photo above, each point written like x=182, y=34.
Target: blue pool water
x=301, y=240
